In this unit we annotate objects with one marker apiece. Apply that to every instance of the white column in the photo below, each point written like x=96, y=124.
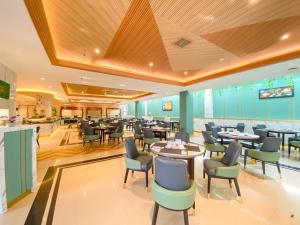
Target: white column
x=208, y=104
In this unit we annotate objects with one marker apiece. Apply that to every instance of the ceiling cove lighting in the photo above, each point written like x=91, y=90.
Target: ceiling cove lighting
x=97, y=51
x=285, y=36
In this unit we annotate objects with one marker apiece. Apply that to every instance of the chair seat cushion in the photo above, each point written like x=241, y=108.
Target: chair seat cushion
x=150, y=140
x=146, y=161
x=91, y=137
x=138, y=136
x=264, y=156
x=295, y=144
x=116, y=135
x=210, y=166
x=214, y=147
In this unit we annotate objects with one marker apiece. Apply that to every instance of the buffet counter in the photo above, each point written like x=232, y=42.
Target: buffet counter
x=17, y=163
x=47, y=127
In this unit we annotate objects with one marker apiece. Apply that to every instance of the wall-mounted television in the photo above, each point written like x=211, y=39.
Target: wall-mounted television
x=279, y=92
x=167, y=106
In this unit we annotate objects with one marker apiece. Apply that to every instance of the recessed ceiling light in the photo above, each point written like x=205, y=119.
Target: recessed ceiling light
x=122, y=85
x=42, y=78
x=185, y=72
x=285, y=36
x=82, y=92
x=97, y=51
x=50, y=86
x=221, y=59
x=151, y=64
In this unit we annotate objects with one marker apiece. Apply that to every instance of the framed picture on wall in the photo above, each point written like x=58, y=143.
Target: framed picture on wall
x=280, y=92
x=167, y=106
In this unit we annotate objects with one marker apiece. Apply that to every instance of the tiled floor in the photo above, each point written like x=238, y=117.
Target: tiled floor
x=93, y=193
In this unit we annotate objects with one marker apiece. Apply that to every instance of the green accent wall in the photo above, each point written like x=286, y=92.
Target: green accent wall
x=198, y=103
x=139, y=109
x=155, y=107
x=131, y=109
x=242, y=101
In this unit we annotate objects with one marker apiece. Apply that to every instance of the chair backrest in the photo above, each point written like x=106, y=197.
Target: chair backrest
x=211, y=124
x=88, y=130
x=137, y=129
x=148, y=133
x=183, y=136
x=271, y=144
x=120, y=128
x=240, y=127
x=262, y=135
x=207, y=127
x=261, y=126
x=215, y=131
x=171, y=174
x=131, y=150
x=232, y=154
x=208, y=137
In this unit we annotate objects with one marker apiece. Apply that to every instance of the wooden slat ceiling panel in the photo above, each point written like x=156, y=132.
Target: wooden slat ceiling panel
x=103, y=92
x=132, y=33
x=78, y=27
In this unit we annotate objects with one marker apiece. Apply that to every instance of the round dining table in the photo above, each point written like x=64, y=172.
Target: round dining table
x=185, y=151
x=238, y=136
x=102, y=129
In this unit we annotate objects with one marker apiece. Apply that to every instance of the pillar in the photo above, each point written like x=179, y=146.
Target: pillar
x=186, y=111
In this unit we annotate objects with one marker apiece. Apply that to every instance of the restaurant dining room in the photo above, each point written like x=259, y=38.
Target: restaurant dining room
x=137, y=112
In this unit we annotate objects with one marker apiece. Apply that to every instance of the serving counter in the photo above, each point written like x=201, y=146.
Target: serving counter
x=17, y=163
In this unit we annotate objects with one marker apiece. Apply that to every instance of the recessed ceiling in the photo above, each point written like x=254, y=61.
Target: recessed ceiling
x=81, y=90
x=102, y=102
x=244, y=34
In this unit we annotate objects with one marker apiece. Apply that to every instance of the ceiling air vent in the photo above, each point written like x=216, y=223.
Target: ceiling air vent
x=182, y=42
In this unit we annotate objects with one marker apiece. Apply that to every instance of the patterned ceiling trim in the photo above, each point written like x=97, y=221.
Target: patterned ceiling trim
x=81, y=90
x=38, y=15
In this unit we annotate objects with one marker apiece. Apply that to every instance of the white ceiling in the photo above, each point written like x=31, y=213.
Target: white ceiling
x=22, y=51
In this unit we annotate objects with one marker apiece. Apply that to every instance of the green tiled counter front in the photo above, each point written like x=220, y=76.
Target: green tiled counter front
x=18, y=163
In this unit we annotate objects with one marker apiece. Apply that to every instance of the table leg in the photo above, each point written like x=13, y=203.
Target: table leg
x=191, y=168
x=283, y=137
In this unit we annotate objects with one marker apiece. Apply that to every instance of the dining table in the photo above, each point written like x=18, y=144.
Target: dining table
x=161, y=131
x=282, y=133
x=101, y=129
x=238, y=136
x=178, y=150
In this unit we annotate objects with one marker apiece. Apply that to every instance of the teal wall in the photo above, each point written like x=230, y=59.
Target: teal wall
x=198, y=103
x=140, y=109
x=131, y=109
x=241, y=101
x=186, y=111
x=155, y=107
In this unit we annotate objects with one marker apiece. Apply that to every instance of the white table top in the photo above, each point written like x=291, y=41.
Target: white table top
x=238, y=135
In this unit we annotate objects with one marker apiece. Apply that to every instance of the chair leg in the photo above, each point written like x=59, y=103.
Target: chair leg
x=210, y=154
x=38, y=143
x=245, y=158
x=186, y=217
x=152, y=169
x=204, y=153
x=144, y=145
x=208, y=186
x=263, y=167
x=289, y=150
x=91, y=143
x=126, y=175
x=146, y=179
x=237, y=187
x=278, y=167
x=155, y=212
x=230, y=183
x=203, y=173
x=118, y=140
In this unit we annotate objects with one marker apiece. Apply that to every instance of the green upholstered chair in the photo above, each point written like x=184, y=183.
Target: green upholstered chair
x=149, y=138
x=227, y=167
x=172, y=188
x=136, y=161
x=138, y=134
x=89, y=136
x=294, y=143
x=211, y=144
x=117, y=133
x=269, y=152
